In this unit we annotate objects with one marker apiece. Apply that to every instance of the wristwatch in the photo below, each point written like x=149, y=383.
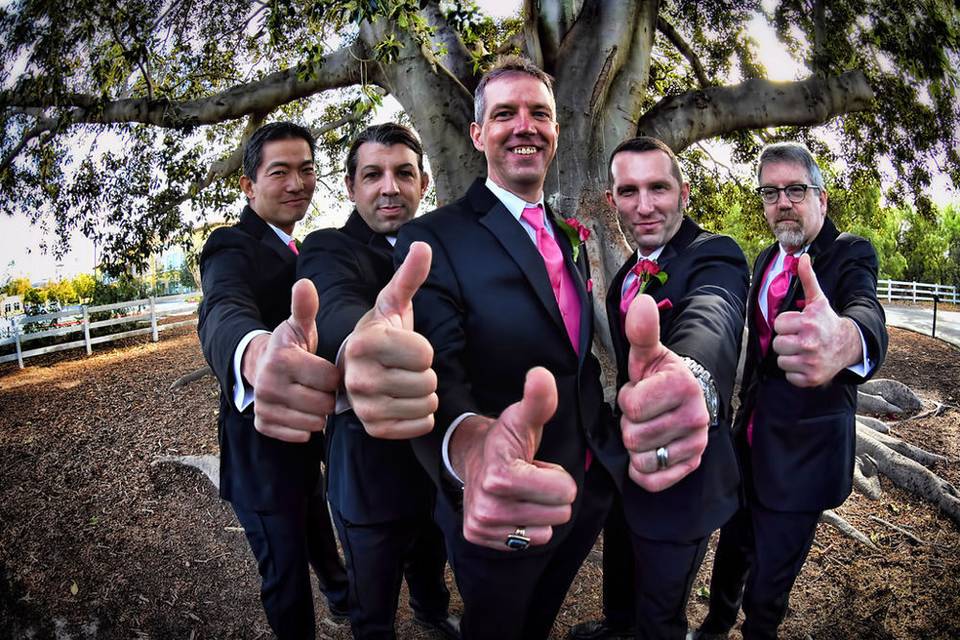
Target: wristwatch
x=706, y=385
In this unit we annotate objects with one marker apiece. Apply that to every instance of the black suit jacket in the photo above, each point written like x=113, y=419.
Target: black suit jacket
x=247, y=274
x=804, y=439
x=369, y=480
x=707, y=280
x=489, y=311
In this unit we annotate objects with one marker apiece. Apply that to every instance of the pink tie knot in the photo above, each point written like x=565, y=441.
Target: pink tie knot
x=533, y=216
x=293, y=247
x=790, y=264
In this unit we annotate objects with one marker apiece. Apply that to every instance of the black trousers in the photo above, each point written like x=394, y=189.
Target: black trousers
x=517, y=595
x=285, y=544
x=378, y=557
x=759, y=556
x=646, y=581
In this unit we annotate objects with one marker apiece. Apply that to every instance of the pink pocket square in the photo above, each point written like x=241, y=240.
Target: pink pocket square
x=801, y=303
x=589, y=285
x=664, y=304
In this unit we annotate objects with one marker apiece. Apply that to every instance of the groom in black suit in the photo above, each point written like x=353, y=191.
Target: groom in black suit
x=382, y=499
x=816, y=332
x=522, y=442
x=654, y=542
x=257, y=335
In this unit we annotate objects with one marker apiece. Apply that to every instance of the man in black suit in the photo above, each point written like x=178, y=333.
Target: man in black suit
x=381, y=498
x=654, y=542
x=795, y=429
x=259, y=337
x=507, y=309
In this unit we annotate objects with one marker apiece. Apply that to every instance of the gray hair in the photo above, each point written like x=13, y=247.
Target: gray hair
x=793, y=152
x=506, y=66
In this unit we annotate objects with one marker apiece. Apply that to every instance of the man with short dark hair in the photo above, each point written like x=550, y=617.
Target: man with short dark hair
x=816, y=331
x=654, y=542
x=382, y=500
x=259, y=336
x=522, y=438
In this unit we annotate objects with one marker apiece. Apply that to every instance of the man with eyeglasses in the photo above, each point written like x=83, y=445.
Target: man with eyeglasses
x=816, y=331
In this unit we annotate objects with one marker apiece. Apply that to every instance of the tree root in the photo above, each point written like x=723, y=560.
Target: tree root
x=937, y=409
x=183, y=381
x=865, y=478
x=876, y=405
x=917, y=454
x=209, y=465
x=836, y=521
x=873, y=423
x=910, y=475
x=894, y=392
x=899, y=530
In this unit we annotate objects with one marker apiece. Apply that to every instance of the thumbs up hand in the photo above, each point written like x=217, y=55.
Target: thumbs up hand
x=662, y=405
x=386, y=365
x=504, y=486
x=294, y=389
x=815, y=344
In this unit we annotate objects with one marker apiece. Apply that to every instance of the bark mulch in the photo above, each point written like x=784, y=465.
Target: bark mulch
x=98, y=542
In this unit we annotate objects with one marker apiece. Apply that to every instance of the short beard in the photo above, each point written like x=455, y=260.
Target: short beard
x=790, y=236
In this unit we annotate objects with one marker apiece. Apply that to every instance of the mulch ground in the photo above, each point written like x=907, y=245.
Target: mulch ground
x=96, y=541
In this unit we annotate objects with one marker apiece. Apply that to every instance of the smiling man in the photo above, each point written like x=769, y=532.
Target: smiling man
x=521, y=444
x=816, y=331
x=382, y=499
x=654, y=542
x=256, y=330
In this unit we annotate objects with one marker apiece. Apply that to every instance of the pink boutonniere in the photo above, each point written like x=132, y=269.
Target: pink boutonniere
x=575, y=231
x=647, y=271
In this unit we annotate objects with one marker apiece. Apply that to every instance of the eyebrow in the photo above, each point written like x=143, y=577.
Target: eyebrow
x=281, y=163
x=373, y=165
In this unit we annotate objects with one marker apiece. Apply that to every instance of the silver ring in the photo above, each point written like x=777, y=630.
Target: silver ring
x=518, y=540
x=663, y=458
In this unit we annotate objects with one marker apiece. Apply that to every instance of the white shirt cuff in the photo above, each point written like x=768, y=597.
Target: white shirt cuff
x=242, y=392
x=343, y=400
x=865, y=367
x=445, y=448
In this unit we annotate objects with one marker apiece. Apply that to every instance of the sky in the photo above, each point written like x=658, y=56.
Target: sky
x=20, y=253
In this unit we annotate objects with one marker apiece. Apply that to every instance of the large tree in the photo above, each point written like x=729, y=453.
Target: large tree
x=121, y=117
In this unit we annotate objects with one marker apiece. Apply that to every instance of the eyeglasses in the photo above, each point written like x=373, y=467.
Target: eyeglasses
x=795, y=192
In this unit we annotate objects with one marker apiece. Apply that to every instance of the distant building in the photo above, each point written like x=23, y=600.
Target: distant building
x=12, y=306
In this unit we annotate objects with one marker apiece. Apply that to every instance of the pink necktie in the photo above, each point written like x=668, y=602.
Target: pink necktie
x=776, y=292
x=293, y=247
x=561, y=282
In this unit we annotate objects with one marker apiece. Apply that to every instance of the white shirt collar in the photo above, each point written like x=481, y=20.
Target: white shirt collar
x=514, y=203
x=284, y=238
x=653, y=254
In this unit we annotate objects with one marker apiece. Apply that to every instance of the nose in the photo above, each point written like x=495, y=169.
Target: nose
x=524, y=123
x=388, y=185
x=783, y=201
x=644, y=201
x=295, y=183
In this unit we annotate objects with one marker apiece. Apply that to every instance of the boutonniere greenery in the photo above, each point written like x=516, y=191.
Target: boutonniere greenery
x=575, y=231
x=647, y=271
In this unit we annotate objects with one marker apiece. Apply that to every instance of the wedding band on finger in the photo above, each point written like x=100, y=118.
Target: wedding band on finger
x=663, y=458
x=518, y=540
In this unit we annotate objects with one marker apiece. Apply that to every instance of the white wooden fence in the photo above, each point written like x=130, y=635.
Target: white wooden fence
x=141, y=312
x=891, y=290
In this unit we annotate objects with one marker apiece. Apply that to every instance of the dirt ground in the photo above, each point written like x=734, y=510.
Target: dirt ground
x=96, y=541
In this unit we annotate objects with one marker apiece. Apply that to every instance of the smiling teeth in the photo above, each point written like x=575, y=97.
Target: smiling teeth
x=525, y=151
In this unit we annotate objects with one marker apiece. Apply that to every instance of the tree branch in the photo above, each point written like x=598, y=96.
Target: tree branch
x=696, y=115
x=667, y=29
x=457, y=59
x=339, y=69
x=43, y=125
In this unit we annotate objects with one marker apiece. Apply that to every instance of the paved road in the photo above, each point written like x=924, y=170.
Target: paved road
x=921, y=320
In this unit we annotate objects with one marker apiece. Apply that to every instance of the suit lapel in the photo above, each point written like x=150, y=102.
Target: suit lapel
x=763, y=261
x=586, y=308
x=358, y=229
x=256, y=227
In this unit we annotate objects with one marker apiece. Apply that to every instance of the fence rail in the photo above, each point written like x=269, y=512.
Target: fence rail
x=147, y=310
x=891, y=290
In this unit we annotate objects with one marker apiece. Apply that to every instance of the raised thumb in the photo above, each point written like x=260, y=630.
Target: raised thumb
x=642, y=327
x=808, y=279
x=395, y=299
x=304, y=305
x=537, y=406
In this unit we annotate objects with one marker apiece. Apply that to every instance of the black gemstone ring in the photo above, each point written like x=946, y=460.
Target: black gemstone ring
x=518, y=540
